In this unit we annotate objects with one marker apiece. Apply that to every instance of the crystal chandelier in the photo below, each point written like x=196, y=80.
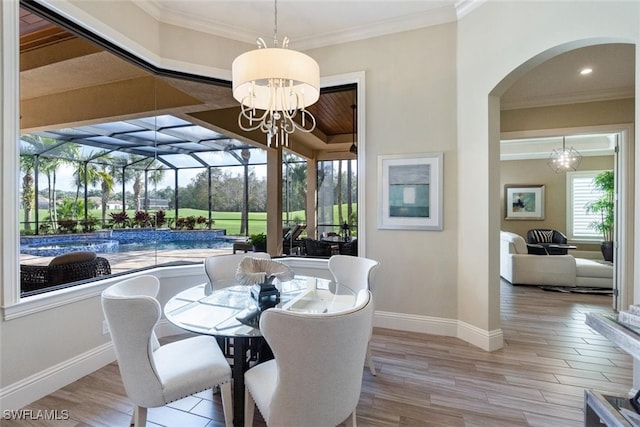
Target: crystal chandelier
x=274, y=86
x=565, y=160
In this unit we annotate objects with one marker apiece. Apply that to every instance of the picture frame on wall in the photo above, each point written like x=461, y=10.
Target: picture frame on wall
x=524, y=202
x=410, y=191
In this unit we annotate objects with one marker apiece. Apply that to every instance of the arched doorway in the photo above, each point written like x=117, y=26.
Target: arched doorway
x=562, y=112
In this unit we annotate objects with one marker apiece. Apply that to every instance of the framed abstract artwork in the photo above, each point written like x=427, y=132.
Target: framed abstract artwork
x=525, y=202
x=410, y=191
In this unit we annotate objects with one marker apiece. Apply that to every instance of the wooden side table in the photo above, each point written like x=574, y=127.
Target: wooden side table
x=242, y=246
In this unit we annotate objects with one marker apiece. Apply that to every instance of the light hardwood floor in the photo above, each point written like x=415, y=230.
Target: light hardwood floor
x=538, y=379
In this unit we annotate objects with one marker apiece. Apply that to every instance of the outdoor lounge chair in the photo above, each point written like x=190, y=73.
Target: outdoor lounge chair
x=292, y=238
x=66, y=268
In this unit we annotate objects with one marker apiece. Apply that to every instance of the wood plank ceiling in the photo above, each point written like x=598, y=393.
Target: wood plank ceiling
x=334, y=111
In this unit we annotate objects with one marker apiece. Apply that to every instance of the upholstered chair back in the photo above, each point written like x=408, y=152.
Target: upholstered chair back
x=132, y=311
x=319, y=360
x=356, y=273
x=351, y=271
x=220, y=269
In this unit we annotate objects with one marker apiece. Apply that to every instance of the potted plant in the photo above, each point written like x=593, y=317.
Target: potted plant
x=604, y=207
x=259, y=242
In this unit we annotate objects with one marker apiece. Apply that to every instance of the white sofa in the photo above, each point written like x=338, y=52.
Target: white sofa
x=520, y=268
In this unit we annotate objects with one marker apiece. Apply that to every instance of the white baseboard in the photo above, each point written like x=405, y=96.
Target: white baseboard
x=488, y=341
x=34, y=387
x=30, y=389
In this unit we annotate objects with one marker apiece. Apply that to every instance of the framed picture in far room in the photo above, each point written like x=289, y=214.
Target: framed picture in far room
x=410, y=191
x=524, y=202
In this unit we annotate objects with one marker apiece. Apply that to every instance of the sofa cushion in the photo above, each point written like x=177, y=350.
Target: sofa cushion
x=593, y=268
x=516, y=242
x=70, y=257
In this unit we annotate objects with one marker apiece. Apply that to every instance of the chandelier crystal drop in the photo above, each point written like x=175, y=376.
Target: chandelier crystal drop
x=564, y=160
x=274, y=87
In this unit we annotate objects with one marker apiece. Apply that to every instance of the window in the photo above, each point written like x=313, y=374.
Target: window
x=580, y=192
x=337, y=196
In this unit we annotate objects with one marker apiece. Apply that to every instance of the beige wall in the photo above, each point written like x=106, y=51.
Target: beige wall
x=538, y=172
x=420, y=263
x=567, y=116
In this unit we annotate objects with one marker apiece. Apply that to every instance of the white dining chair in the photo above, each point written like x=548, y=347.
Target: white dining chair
x=315, y=377
x=154, y=375
x=355, y=273
x=221, y=269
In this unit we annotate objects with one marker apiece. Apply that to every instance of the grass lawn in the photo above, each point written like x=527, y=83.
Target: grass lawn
x=229, y=221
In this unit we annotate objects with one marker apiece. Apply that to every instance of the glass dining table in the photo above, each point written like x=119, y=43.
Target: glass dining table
x=233, y=312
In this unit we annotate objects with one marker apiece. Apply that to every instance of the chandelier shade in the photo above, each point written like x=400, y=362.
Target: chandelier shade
x=257, y=73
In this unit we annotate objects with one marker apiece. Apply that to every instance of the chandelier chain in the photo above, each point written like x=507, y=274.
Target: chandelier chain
x=275, y=23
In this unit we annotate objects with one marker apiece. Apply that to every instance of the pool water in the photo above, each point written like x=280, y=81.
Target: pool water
x=177, y=245
x=55, y=248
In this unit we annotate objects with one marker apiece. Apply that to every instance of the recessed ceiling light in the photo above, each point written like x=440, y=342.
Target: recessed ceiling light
x=586, y=71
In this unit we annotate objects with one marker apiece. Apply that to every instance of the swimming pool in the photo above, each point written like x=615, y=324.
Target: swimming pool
x=115, y=241
x=177, y=245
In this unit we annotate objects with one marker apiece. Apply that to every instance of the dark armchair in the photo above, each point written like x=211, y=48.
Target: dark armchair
x=67, y=268
x=542, y=241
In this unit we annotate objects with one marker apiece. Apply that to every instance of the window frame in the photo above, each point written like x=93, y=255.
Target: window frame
x=595, y=236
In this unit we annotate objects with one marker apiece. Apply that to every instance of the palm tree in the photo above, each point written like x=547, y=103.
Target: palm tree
x=106, y=185
x=49, y=165
x=27, y=166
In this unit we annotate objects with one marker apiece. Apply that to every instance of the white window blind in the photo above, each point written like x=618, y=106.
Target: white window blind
x=580, y=191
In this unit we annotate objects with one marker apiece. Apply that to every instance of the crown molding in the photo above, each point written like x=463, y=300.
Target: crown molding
x=572, y=98
x=410, y=22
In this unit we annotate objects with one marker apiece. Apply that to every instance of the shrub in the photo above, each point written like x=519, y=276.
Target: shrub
x=142, y=219
x=120, y=219
x=160, y=218
x=67, y=225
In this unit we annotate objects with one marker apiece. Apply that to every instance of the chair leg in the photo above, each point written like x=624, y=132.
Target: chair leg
x=227, y=403
x=139, y=417
x=249, y=408
x=372, y=367
x=352, y=422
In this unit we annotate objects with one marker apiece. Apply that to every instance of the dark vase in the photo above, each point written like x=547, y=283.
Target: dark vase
x=607, y=250
x=260, y=247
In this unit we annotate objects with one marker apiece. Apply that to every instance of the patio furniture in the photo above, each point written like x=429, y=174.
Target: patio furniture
x=318, y=248
x=242, y=246
x=292, y=240
x=66, y=268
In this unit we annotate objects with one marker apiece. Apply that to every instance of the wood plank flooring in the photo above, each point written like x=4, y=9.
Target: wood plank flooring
x=538, y=379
